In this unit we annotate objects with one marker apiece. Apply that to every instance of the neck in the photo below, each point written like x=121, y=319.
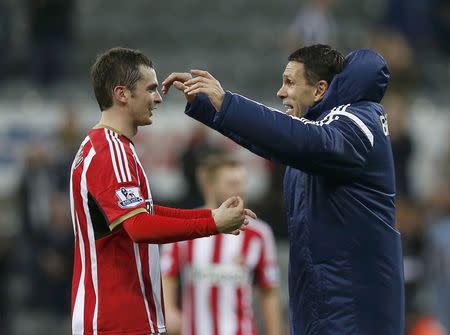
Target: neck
x=116, y=118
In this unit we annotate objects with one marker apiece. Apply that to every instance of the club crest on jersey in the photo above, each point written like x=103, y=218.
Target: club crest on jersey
x=129, y=197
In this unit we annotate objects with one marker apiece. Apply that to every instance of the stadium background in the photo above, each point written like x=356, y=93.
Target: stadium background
x=46, y=106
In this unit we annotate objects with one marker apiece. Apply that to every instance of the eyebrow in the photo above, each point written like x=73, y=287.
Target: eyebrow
x=152, y=86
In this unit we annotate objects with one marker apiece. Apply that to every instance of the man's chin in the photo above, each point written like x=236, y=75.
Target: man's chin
x=145, y=122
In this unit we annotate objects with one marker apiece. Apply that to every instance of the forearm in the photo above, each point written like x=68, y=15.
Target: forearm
x=157, y=229
x=270, y=308
x=202, y=110
x=182, y=213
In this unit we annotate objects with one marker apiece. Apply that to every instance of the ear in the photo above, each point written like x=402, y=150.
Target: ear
x=321, y=89
x=120, y=94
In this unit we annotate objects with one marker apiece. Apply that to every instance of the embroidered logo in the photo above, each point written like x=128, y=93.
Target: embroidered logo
x=129, y=197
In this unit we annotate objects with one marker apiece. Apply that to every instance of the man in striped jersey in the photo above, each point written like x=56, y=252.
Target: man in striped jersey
x=217, y=272
x=116, y=287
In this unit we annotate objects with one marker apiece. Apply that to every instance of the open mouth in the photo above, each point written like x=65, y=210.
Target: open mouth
x=289, y=108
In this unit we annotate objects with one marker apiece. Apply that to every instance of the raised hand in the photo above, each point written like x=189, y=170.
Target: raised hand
x=230, y=216
x=205, y=83
x=177, y=79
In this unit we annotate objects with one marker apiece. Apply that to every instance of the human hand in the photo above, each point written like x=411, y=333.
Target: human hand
x=230, y=216
x=205, y=83
x=178, y=79
x=247, y=212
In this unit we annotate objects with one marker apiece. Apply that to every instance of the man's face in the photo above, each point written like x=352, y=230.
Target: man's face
x=145, y=97
x=228, y=181
x=295, y=92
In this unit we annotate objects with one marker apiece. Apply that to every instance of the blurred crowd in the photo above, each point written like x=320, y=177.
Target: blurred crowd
x=36, y=256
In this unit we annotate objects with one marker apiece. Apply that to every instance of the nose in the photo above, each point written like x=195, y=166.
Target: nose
x=158, y=98
x=281, y=93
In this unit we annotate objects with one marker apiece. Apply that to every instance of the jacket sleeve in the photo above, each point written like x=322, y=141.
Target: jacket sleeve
x=202, y=110
x=337, y=145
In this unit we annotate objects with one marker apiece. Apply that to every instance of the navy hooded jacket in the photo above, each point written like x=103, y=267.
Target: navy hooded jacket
x=345, y=266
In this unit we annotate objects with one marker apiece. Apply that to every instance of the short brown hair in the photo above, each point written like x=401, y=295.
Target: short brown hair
x=116, y=66
x=208, y=167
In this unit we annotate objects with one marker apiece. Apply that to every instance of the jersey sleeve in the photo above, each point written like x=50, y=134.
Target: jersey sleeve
x=170, y=260
x=114, y=184
x=182, y=213
x=267, y=271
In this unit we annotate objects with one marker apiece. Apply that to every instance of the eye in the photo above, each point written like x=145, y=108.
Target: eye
x=289, y=82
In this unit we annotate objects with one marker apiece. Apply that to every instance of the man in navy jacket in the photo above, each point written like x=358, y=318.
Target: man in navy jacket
x=346, y=270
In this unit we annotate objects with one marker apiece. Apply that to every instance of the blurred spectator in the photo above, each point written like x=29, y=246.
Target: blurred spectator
x=51, y=35
x=400, y=58
x=427, y=326
x=441, y=11
x=396, y=106
x=53, y=257
x=67, y=138
x=314, y=23
x=4, y=301
x=271, y=206
x=410, y=222
x=413, y=18
x=5, y=35
x=197, y=149
x=35, y=190
x=438, y=246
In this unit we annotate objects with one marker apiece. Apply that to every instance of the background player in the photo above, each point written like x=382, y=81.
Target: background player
x=218, y=272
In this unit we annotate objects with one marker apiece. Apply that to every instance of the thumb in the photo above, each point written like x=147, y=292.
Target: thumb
x=229, y=202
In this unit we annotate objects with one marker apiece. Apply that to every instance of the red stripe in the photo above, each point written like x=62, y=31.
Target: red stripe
x=76, y=269
x=239, y=312
x=215, y=289
x=89, y=298
x=143, y=251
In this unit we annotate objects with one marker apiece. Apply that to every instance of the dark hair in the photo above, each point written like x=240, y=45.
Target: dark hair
x=117, y=66
x=321, y=62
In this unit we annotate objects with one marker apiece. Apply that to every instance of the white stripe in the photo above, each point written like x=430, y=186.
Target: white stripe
x=227, y=298
x=71, y=199
x=78, y=308
x=125, y=158
x=202, y=251
x=248, y=315
x=155, y=278
x=119, y=156
x=137, y=257
x=113, y=156
x=91, y=238
x=341, y=110
x=333, y=116
x=252, y=257
x=154, y=267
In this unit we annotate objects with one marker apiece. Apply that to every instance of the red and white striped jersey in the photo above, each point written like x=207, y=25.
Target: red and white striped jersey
x=116, y=286
x=217, y=275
